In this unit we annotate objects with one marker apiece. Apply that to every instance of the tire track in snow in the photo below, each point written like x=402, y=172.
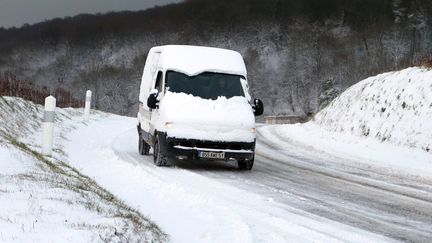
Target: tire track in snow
x=274, y=226
x=403, y=213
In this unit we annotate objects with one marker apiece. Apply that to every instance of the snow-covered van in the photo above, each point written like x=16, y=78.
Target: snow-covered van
x=195, y=104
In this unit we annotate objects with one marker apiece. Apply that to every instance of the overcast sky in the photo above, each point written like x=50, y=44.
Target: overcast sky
x=19, y=12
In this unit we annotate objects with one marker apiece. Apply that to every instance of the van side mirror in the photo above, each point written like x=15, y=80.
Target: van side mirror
x=258, y=107
x=152, y=101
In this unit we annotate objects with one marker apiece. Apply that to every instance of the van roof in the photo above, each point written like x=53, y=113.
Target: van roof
x=193, y=60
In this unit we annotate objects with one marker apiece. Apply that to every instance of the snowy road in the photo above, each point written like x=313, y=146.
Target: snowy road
x=293, y=193
x=374, y=199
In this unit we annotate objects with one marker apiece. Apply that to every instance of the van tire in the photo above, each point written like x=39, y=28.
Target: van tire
x=159, y=158
x=143, y=147
x=245, y=164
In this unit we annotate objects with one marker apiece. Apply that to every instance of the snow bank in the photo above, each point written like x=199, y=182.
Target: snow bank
x=192, y=117
x=382, y=122
x=394, y=107
x=38, y=206
x=45, y=199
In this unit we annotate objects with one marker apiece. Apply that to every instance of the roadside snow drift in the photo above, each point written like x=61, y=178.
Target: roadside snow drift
x=394, y=107
x=382, y=121
x=44, y=199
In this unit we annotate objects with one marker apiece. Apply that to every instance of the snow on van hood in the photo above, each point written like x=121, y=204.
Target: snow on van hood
x=192, y=117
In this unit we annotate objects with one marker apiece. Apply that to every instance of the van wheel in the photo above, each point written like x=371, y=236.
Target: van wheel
x=245, y=164
x=159, y=158
x=143, y=147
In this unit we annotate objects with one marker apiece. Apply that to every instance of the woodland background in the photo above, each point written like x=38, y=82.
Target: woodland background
x=300, y=54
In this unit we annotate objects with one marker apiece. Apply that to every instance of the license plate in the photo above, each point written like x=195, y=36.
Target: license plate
x=212, y=155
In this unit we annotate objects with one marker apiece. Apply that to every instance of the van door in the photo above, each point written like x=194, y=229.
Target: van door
x=147, y=84
x=154, y=113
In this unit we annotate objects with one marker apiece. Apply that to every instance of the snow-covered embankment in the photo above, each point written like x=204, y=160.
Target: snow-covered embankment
x=47, y=200
x=382, y=121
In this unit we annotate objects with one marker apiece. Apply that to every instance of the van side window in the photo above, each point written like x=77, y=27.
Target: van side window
x=158, y=84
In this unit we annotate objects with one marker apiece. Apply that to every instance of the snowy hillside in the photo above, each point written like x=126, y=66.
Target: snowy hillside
x=394, y=107
x=383, y=121
x=298, y=53
x=47, y=200
x=294, y=193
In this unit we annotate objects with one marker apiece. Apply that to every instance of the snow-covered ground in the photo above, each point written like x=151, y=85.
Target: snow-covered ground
x=45, y=199
x=382, y=121
x=394, y=108
x=188, y=205
x=377, y=133
x=310, y=183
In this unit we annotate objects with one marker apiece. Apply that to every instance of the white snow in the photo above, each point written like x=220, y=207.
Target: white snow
x=189, y=206
x=193, y=207
x=192, y=117
x=190, y=60
x=47, y=201
x=33, y=210
x=393, y=107
x=193, y=60
x=351, y=149
x=383, y=121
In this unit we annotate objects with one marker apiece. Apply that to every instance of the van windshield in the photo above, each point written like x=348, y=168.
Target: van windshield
x=206, y=85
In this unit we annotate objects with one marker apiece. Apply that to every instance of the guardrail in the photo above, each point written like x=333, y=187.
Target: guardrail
x=286, y=119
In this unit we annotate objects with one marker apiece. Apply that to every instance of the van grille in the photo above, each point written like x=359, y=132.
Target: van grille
x=211, y=144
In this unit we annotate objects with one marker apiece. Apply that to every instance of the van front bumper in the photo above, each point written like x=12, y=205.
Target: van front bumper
x=176, y=148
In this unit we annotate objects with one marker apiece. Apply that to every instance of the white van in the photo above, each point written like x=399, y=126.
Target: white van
x=195, y=104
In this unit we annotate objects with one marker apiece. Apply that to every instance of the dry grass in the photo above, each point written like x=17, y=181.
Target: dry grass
x=56, y=173
x=95, y=197
x=426, y=62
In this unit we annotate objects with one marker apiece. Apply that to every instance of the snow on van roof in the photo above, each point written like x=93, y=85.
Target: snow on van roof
x=193, y=60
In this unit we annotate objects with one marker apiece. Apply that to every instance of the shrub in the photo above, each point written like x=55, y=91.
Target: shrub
x=10, y=85
x=427, y=62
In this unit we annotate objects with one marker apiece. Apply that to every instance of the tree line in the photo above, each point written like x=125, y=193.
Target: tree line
x=299, y=53
x=209, y=15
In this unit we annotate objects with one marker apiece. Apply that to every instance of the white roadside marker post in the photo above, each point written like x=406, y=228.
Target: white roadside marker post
x=48, y=125
x=87, y=103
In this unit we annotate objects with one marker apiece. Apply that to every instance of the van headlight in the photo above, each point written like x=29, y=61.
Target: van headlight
x=168, y=124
